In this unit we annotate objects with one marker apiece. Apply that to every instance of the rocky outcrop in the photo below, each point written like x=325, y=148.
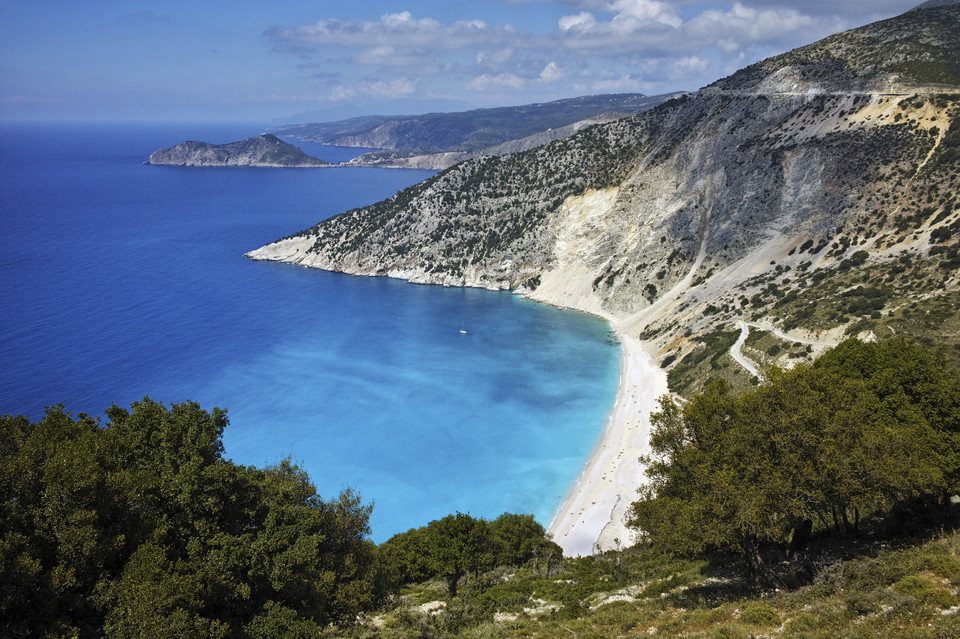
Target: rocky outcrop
x=263, y=150
x=746, y=199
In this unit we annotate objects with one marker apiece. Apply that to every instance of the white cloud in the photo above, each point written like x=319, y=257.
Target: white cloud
x=746, y=25
x=690, y=66
x=397, y=88
x=497, y=82
x=654, y=28
x=638, y=13
x=624, y=84
x=341, y=92
x=583, y=21
x=552, y=72
x=393, y=89
x=495, y=56
x=399, y=30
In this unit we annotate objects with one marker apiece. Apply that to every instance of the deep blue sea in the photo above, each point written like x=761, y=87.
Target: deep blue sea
x=121, y=280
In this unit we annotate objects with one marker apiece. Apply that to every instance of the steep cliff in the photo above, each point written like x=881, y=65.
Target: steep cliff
x=815, y=190
x=262, y=150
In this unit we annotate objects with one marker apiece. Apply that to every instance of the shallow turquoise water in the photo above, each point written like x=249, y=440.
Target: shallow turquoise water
x=122, y=280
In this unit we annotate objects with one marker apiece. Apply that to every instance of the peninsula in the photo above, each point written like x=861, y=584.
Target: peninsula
x=264, y=150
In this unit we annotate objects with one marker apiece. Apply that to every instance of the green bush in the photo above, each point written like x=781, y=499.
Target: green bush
x=942, y=565
x=862, y=603
x=925, y=591
x=757, y=613
x=802, y=625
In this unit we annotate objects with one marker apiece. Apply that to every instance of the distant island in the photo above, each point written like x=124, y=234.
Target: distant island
x=263, y=150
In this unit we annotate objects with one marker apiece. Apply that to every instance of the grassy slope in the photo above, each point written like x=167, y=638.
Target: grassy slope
x=911, y=591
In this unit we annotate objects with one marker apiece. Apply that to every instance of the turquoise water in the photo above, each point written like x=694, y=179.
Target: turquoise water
x=121, y=280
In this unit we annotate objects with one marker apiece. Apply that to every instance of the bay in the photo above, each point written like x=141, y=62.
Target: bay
x=121, y=280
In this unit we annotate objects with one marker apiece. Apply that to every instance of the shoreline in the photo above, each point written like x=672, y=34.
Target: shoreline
x=591, y=516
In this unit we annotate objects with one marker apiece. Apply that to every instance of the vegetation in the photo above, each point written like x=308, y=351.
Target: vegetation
x=139, y=527
x=864, y=588
x=864, y=430
x=704, y=362
x=459, y=546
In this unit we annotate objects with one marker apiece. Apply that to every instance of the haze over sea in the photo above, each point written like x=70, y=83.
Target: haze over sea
x=121, y=280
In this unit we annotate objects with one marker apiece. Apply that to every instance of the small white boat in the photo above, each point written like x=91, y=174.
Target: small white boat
x=461, y=329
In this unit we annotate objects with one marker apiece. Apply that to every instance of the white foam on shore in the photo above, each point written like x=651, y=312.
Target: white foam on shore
x=591, y=517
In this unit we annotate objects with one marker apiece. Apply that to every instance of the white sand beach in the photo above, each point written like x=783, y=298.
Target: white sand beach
x=591, y=516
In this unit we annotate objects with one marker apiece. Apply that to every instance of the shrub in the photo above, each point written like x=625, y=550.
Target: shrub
x=924, y=591
x=757, y=613
x=942, y=565
x=803, y=624
x=862, y=603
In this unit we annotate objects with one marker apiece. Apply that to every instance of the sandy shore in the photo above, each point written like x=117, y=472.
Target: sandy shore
x=591, y=516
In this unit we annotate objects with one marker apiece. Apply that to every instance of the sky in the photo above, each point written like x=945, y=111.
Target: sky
x=317, y=60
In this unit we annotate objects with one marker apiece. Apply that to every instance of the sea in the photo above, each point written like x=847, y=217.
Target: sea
x=121, y=280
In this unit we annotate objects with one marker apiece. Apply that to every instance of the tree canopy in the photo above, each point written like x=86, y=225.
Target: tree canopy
x=864, y=427
x=139, y=527
x=457, y=545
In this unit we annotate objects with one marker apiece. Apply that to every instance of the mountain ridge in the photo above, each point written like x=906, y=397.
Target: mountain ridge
x=440, y=140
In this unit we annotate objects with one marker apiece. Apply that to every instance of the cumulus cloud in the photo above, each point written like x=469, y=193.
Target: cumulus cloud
x=340, y=93
x=650, y=27
x=748, y=25
x=847, y=8
x=397, y=88
x=398, y=30
x=624, y=84
x=690, y=66
x=638, y=13
x=552, y=72
x=497, y=82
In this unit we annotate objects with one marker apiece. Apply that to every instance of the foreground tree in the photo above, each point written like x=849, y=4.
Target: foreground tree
x=818, y=445
x=459, y=545
x=141, y=528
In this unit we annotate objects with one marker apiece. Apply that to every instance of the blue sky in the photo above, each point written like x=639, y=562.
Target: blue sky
x=320, y=60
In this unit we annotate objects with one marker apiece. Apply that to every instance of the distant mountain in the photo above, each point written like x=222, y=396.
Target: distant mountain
x=439, y=140
x=263, y=150
x=815, y=192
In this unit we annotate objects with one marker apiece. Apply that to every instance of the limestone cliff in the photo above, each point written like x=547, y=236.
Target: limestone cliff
x=263, y=150
x=817, y=189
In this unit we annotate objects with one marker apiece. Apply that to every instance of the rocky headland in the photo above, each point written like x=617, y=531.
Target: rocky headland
x=265, y=150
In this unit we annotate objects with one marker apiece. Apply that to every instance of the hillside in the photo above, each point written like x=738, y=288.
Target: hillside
x=263, y=150
x=826, y=209
x=865, y=589
x=440, y=140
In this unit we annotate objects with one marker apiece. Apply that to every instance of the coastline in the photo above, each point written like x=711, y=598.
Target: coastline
x=591, y=517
